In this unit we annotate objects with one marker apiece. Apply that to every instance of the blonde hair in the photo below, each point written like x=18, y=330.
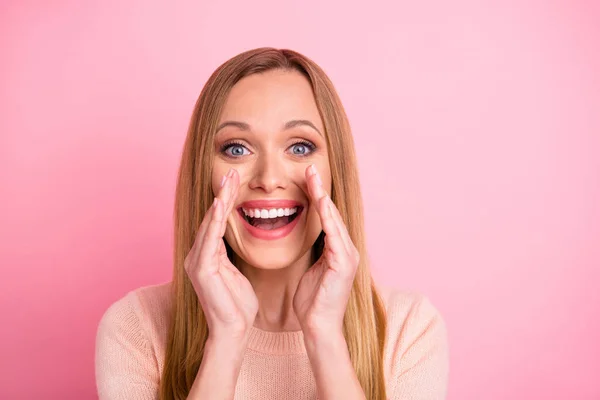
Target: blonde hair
x=364, y=321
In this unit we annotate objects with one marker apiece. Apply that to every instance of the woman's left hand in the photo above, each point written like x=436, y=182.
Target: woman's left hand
x=324, y=289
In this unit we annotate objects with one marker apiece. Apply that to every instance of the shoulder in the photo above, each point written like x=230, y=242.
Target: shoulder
x=130, y=344
x=407, y=307
x=416, y=337
x=154, y=300
x=138, y=316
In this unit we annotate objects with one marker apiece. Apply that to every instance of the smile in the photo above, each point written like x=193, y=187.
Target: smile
x=270, y=219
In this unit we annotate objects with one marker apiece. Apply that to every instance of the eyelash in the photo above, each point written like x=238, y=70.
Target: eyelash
x=225, y=146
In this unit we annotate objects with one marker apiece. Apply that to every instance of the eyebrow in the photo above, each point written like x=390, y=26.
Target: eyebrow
x=289, y=125
x=299, y=122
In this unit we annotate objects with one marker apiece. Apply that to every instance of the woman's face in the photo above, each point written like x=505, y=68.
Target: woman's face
x=270, y=131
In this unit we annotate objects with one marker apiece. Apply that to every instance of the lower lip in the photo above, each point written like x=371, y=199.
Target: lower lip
x=272, y=234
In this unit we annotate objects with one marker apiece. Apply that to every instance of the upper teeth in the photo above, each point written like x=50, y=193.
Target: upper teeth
x=269, y=213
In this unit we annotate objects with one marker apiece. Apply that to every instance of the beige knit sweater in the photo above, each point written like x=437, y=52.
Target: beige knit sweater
x=131, y=338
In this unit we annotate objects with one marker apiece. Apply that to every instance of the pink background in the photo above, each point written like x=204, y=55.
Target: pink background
x=478, y=134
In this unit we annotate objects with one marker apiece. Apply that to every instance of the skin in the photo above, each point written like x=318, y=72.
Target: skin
x=286, y=290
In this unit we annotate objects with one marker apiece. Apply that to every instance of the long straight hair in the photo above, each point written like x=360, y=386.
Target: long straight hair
x=364, y=320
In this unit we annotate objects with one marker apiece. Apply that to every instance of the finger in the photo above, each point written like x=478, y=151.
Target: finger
x=320, y=198
x=208, y=217
x=209, y=212
x=225, y=190
x=233, y=185
x=315, y=187
x=195, y=250
x=210, y=244
x=334, y=239
x=337, y=217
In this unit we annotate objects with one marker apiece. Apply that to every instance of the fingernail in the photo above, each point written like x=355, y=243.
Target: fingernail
x=223, y=179
x=230, y=173
x=313, y=169
x=214, y=204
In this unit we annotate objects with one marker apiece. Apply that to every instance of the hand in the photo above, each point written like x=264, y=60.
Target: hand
x=226, y=296
x=324, y=289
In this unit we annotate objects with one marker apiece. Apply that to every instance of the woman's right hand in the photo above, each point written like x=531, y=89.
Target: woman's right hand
x=226, y=296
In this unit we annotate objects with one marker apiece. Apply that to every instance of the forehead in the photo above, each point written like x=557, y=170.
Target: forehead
x=270, y=99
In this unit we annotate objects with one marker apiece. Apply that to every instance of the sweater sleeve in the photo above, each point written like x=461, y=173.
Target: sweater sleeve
x=124, y=361
x=420, y=363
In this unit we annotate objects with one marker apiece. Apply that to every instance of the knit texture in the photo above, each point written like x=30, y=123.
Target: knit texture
x=132, y=334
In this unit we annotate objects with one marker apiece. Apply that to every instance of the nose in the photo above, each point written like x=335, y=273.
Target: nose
x=269, y=174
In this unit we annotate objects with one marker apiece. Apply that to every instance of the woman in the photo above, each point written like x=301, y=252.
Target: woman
x=271, y=296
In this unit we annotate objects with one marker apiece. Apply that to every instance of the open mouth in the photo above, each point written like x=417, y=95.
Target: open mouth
x=270, y=219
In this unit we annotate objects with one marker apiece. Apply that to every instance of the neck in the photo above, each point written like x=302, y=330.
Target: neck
x=275, y=289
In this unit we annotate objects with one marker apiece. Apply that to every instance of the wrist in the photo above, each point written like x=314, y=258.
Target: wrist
x=331, y=341
x=223, y=336
x=322, y=332
x=218, y=373
x=225, y=346
x=332, y=366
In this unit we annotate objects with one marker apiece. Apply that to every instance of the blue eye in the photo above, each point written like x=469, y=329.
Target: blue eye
x=234, y=149
x=302, y=148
